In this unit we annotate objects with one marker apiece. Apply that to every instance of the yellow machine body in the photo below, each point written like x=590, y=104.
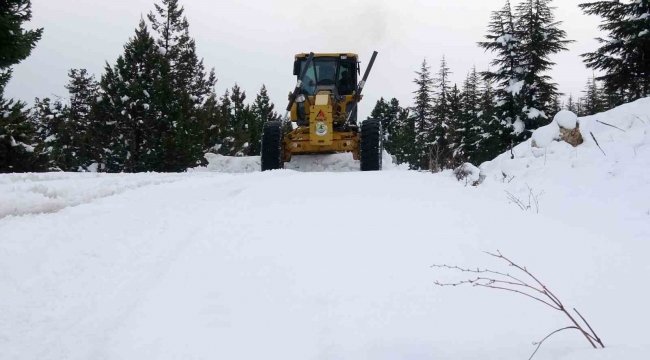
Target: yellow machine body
x=323, y=128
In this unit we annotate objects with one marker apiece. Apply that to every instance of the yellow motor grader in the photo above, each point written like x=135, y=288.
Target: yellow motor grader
x=324, y=107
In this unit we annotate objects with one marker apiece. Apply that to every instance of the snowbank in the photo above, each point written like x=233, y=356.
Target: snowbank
x=608, y=188
x=302, y=163
x=22, y=194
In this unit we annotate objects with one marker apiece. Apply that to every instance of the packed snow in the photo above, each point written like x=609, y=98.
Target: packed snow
x=304, y=163
x=226, y=262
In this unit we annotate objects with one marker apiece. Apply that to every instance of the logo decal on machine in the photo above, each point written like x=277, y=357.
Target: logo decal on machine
x=321, y=116
x=321, y=129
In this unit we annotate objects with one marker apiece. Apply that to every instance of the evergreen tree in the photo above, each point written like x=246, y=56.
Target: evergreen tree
x=388, y=113
x=422, y=119
x=439, y=139
x=540, y=37
x=189, y=87
x=503, y=39
x=225, y=144
x=402, y=135
x=571, y=105
x=52, y=132
x=624, y=53
x=593, y=99
x=19, y=151
x=456, y=129
x=83, y=91
x=19, y=147
x=468, y=128
x=263, y=110
x=555, y=106
x=16, y=43
x=133, y=124
x=240, y=120
x=491, y=130
x=214, y=124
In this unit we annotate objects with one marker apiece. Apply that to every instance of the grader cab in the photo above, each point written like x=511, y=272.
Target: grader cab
x=324, y=107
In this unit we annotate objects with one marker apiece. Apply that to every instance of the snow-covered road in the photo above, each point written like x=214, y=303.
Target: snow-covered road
x=288, y=265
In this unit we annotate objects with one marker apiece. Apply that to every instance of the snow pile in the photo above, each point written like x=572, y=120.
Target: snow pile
x=607, y=189
x=544, y=136
x=230, y=164
x=302, y=163
x=566, y=119
x=22, y=194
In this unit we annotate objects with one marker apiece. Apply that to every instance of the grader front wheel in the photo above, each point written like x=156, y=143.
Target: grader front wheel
x=372, y=145
x=272, y=146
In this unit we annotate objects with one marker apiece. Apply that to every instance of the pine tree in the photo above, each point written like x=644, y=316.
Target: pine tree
x=19, y=147
x=52, y=132
x=133, y=124
x=593, y=99
x=491, y=130
x=16, y=43
x=540, y=37
x=624, y=53
x=422, y=119
x=19, y=151
x=468, y=126
x=388, y=113
x=225, y=144
x=83, y=91
x=214, y=124
x=456, y=129
x=503, y=39
x=188, y=86
x=241, y=118
x=263, y=110
x=439, y=139
x=402, y=134
x=571, y=105
x=555, y=106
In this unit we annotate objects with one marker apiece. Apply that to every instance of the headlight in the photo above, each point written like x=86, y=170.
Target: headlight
x=300, y=99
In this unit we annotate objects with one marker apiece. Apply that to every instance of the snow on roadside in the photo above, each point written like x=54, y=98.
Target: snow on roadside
x=585, y=183
x=22, y=194
x=302, y=163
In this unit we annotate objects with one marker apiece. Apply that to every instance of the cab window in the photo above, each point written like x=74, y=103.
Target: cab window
x=346, y=83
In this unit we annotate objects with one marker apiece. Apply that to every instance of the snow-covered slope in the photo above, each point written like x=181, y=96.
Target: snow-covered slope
x=294, y=265
x=606, y=190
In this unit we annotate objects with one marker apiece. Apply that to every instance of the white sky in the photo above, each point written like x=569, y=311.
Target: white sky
x=253, y=42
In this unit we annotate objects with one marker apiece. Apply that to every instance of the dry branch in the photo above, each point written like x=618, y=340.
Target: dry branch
x=593, y=137
x=610, y=125
x=533, y=289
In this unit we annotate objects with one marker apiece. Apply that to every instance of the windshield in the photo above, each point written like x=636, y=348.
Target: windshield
x=330, y=71
x=321, y=72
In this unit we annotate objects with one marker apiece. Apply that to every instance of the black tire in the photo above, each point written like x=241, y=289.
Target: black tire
x=272, y=146
x=372, y=145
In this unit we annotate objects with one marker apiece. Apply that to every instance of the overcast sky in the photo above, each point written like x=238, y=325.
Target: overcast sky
x=253, y=42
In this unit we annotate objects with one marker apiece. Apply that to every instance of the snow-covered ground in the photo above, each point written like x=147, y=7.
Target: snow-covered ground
x=333, y=265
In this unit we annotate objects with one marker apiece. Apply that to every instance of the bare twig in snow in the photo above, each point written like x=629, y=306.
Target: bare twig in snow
x=532, y=289
x=532, y=200
x=641, y=120
x=610, y=125
x=539, y=344
x=590, y=329
x=593, y=137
